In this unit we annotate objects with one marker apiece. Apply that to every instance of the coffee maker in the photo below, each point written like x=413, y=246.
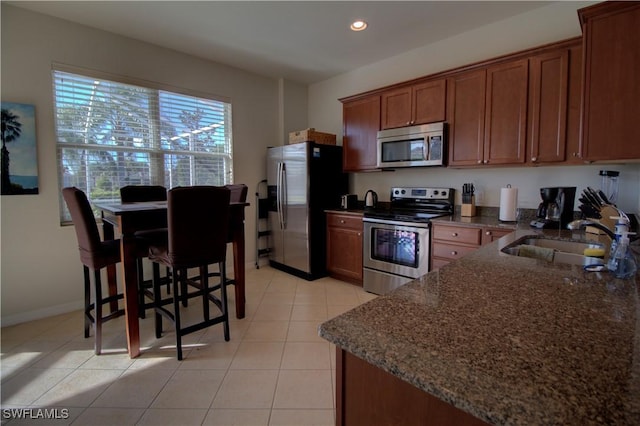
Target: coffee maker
x=556, y=209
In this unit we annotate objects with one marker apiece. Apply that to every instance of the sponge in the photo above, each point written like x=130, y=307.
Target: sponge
x=542, y=253
x=594, y=252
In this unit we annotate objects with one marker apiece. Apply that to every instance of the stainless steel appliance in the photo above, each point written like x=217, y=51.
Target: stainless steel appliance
x=303, y=180
x=349, y=201
x=556, y=209
x=397, y=240
x=371, y=199
x=412, y=146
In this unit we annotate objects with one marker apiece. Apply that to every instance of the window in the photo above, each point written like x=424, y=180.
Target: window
x=111, y=134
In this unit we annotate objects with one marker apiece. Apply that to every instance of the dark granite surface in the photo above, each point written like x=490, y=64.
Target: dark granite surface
x=510, y=340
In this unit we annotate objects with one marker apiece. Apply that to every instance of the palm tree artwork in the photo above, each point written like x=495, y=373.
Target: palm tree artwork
x=19, y=167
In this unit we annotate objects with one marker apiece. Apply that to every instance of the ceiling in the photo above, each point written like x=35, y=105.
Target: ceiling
x=303, y=41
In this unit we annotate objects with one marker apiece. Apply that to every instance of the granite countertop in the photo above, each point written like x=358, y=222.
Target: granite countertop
x=510, y=340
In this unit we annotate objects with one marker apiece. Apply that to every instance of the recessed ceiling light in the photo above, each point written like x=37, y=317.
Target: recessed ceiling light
x=358, y=25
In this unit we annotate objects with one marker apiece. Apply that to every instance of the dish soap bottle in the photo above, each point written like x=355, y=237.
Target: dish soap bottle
x=622, y=226
x=623, y=262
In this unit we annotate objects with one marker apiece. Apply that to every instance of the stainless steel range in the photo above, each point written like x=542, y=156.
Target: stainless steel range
x=397, y=240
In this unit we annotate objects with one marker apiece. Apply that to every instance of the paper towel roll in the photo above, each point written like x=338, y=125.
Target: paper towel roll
x=508, y=204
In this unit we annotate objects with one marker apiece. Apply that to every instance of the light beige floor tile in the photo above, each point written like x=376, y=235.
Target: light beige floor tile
x=335, y=310
x=310, y=298
x=28, y=353
x=172, y=417
x=306, y=356
x=213, y=356
x=302, y=418
x=278, y=298
x=190, y=389
x=30, y=384
x=315, y=383
x=109, y=417
x=71, y=355
x=247, y=389
x=266, y=312
x=342, y=297
x=304, y=331
x=309, y=312
x=258, y=356
x=108, y=361
x=134, y=389
x=79, y=389
x=283, y=284
x=267, y=331
x=225, y=417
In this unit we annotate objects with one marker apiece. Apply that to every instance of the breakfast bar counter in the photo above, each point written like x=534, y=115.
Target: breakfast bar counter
x=505, y=339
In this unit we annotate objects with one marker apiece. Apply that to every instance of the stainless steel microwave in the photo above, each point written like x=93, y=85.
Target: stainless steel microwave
x=415, y=146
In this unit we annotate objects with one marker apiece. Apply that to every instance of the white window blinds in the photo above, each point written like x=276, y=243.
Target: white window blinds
x=111, y=134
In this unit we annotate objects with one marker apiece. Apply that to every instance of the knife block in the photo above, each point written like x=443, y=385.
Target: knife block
x=469, y=210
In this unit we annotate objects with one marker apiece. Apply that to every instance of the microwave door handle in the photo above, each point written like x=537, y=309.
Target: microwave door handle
x=425, y=148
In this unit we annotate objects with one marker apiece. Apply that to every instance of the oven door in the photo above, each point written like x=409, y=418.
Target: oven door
x=398, y=248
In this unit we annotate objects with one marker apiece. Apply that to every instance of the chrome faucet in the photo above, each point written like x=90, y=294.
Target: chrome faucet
x=582, y=223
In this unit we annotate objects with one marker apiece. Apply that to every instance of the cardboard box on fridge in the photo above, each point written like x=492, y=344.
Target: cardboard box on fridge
x=310, y=134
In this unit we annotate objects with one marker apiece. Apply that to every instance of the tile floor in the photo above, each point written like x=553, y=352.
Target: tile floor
x=275, y=370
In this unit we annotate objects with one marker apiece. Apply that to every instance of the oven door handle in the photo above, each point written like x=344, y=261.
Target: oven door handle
x=421, y=225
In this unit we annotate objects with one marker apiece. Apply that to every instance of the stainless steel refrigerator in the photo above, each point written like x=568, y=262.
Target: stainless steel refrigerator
x=303, y=180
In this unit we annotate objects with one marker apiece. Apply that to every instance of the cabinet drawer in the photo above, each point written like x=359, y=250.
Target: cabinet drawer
x=458, y=234
x=451, y=251
x=344, y=221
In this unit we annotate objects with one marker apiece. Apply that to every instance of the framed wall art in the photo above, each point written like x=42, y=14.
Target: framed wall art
x=19, y=152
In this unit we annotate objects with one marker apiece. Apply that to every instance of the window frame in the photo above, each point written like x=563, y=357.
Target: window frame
x=161, y=156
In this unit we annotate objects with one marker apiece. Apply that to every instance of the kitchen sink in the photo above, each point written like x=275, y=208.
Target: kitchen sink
x=555, y=251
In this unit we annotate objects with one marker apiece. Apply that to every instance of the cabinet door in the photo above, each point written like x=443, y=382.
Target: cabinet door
x=612, y=84
x=506, y=113
x=361, y=120
x=344, y=247
x=396, y=108
x=466, y=107
x=429, y=102
x=548, y=90
x=574, y=112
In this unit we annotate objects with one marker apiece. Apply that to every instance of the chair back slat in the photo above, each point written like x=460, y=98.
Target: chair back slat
x=238, y=192
x=141, y=193
x=198, y=219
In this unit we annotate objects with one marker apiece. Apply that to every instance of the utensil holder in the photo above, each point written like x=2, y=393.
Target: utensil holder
x=469, y=209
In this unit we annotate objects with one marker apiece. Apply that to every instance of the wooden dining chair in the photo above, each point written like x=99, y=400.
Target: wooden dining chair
x=198, y=222
x=145, y=193
x=95, y=255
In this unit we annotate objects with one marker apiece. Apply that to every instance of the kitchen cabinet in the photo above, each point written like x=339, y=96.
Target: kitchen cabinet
x=574, y=105
x=412, y=105
x=505, y=131
x=368, y=395
x=610, y=129
x=488, y=115
x=465, y=103
x=361, y=122
x=344, y=247
x=450, y=241
x=548, y=96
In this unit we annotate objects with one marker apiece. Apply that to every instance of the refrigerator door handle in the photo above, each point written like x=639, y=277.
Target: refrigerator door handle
x=279, y=193
x=284, y=198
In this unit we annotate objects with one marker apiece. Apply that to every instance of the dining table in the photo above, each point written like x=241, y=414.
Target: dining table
x=138, y=216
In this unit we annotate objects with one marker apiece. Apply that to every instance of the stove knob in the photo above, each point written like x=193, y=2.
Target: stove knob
x=435, y=192
x=396, y=192
x=443, y=193
x=404, y=192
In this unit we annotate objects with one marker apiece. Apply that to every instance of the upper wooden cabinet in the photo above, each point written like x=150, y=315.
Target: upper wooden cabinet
x=611, y=106
x=488, y=115
x=361, y=122
x=412, y=105
x=548, y=97
x=505, y=131
x=574, y=112
x=466, y=102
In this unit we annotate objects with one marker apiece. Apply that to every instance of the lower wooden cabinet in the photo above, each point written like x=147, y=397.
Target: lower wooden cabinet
x=450, y=241
x=344, y=247
x=366, y=395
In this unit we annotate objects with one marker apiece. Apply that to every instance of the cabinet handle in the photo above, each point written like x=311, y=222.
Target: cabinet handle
x=342, y=221
x=487, y=233
x=454, y=253
x=534, y=159
x=454, y=234
x=359, y=234
x=486, y=161
x=479, y=161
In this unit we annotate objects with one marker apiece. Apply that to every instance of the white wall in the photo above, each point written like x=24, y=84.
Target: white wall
x=41, y=272
x=558, y=21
